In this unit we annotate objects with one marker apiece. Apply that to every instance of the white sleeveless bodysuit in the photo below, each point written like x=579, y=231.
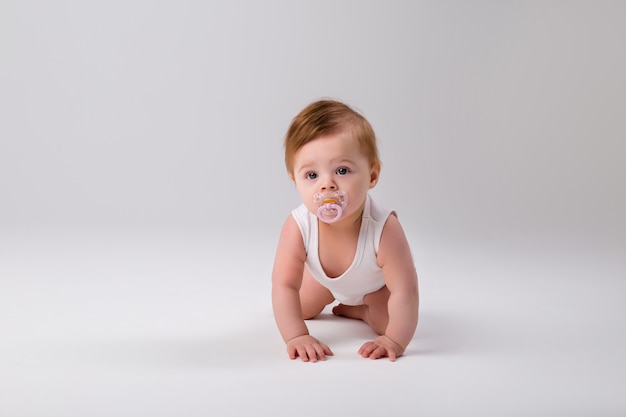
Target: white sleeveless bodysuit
x=364, y=276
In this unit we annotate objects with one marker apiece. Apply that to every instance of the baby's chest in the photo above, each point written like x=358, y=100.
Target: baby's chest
x=337, y=256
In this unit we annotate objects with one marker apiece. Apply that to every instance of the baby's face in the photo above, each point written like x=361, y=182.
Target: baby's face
x=334, y=162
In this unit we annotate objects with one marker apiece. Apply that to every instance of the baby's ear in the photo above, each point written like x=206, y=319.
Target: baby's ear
x=374, y=174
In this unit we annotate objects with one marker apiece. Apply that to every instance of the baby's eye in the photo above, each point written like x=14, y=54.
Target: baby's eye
x=342, y=171
x=311, y=175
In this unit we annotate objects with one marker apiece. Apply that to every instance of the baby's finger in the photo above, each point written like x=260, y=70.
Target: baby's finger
x=304, y=357
x=292, y=352
x=327, y=350
x=319, y=350
x=363, y=347
x=378, y=353
x=367, y=349
x=311, y=353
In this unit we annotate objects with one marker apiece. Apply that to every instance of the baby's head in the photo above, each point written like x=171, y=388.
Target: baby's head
x=327, y=117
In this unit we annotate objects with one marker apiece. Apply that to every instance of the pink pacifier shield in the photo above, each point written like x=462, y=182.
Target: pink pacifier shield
x=330, y=205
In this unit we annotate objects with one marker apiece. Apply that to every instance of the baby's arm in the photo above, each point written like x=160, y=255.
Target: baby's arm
x=286, y=283
x=394, y=257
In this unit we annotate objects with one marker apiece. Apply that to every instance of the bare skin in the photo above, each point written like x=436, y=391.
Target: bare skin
x=374, y=313
x=336, y=162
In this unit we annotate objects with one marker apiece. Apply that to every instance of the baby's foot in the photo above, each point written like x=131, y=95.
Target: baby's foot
x=352, y=312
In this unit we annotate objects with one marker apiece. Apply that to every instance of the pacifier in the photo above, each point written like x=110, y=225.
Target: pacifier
x=330, y=205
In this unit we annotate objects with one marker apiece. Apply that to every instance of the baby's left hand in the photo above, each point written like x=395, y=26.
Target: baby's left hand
x=381, y=347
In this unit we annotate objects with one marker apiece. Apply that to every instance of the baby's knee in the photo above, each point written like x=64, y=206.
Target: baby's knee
x=378, y=323
x=311, y=313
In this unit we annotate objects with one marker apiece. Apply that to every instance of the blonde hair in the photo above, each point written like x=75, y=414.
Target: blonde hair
x=327, y=117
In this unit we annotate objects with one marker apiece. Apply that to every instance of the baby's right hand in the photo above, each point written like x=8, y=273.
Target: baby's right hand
x=308, y=348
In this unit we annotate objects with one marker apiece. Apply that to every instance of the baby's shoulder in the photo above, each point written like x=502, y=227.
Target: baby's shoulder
x=378, y=212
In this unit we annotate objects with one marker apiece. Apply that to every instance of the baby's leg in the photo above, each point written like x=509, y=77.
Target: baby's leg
x=313, y=296
x=373, y=311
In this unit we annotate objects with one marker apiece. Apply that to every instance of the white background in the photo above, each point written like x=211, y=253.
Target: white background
x=142, y=188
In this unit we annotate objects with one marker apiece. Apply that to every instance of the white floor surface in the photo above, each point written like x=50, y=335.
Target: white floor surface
x=179, y=323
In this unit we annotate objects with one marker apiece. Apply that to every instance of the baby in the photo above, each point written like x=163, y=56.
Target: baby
x=340, y=244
